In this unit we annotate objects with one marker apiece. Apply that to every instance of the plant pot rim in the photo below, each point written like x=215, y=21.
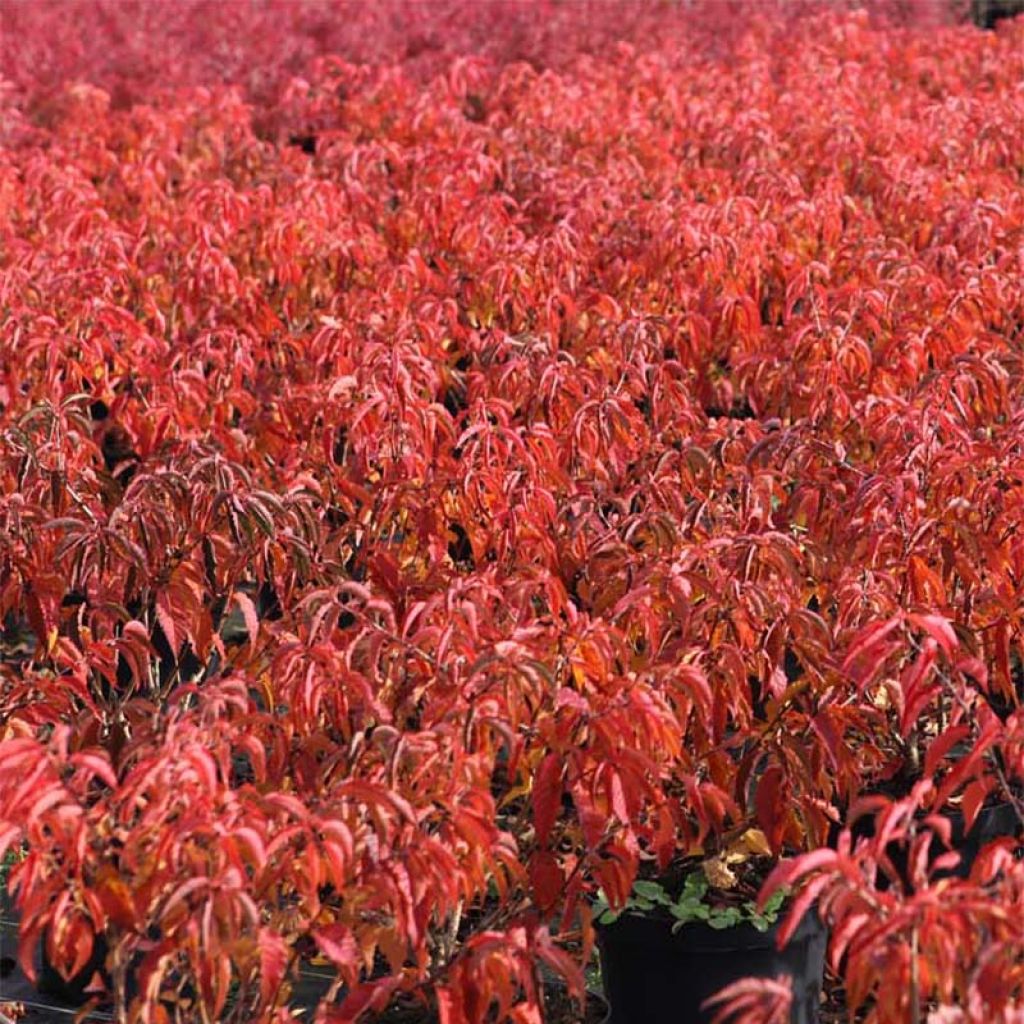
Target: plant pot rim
x=697, y=936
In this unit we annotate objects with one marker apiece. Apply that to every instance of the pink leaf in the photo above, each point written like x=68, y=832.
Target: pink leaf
x=248, y=610
x=753, y=1001
x=165, y=617
x=938, y=628
x=98, y=764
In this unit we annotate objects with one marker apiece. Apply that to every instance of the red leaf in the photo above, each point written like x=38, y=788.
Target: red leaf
x=789, y=872
x=273, y=963
x=800, y=906
x=98, y=764
x=547, y=796
x=9, y=835
x=770, y=803
x=973, y=801
x=72, y=937
x=367, y=997
x=753, y=1001
x=938, y=628
x=918, y=687
x=844, y=932
x=869, y=641
x=560, y=962
x=448, y=1010
x=338, y=944
x=941, y=746
x=546, y=879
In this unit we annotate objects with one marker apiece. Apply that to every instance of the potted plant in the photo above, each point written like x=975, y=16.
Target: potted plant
x=939, y=730
x=759, y=778
x=681, y=940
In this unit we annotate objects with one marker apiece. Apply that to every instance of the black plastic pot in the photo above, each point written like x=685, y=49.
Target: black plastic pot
x=654, y=976
x=994, y=822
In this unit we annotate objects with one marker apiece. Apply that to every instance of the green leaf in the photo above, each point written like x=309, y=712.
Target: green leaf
x=651, y=890
x=726, y=917
x=774, y=905
x=689, y=910
x=695, y=885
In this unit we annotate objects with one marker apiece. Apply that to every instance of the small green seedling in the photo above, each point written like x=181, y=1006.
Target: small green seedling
x=692, y=905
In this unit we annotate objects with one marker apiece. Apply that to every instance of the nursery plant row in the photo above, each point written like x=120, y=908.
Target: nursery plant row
x=507, y=494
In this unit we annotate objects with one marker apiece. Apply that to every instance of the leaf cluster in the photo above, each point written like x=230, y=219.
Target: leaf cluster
x=451, y=464
x=693, y=904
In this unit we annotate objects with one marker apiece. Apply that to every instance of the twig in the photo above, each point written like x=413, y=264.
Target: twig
x=915, y=979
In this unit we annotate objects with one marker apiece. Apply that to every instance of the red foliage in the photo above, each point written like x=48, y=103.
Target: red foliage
x=754, y=1000
x=433, y=485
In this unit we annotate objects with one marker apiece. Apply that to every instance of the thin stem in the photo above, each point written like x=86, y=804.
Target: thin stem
x=915, y=979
